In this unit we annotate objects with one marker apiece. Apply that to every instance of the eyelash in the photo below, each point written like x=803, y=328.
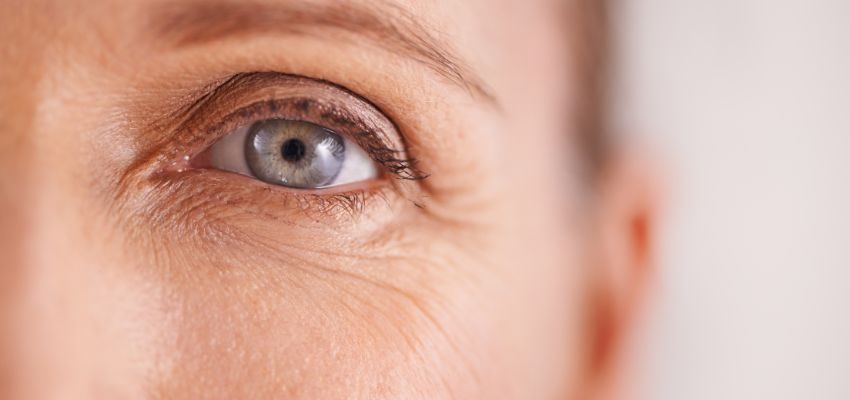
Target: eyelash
x=318, y=111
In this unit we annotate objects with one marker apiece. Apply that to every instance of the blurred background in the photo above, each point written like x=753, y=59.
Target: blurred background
x=747, y=103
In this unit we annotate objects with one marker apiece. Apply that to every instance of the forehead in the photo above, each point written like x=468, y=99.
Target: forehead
x=491, y=36
x=465, y=24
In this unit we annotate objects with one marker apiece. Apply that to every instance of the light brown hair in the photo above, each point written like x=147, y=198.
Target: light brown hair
x=591, y=45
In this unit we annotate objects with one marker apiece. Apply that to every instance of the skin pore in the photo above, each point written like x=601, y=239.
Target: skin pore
x=478, y=263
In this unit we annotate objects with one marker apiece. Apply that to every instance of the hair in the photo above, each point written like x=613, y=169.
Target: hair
x=591, y=52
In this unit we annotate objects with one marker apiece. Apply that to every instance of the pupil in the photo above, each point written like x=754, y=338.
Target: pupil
x=293, y=150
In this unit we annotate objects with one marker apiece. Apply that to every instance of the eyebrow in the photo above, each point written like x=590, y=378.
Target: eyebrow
x=385, y=24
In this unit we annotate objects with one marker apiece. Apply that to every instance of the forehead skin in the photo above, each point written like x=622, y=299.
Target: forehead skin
x=111, y=290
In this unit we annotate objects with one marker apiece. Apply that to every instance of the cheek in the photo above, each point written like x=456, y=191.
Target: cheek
x=318, y=330
x=428, y=314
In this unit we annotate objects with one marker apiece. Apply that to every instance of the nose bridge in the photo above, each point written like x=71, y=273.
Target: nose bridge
x=51, y=311
x=49, y=334
x=57, y=304
x=74, y=323
x=40, y=288
x=76, y=315
x=14, y=234
x=17, y=106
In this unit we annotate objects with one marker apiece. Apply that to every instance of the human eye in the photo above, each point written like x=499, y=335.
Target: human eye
x=251, y=148
x=306, y=134
x=293, y=153
x=297, y=133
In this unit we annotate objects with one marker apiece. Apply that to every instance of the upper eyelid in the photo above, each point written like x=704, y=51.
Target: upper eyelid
x=237, y=93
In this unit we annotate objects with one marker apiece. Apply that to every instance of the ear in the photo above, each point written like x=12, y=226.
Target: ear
x=624, y=222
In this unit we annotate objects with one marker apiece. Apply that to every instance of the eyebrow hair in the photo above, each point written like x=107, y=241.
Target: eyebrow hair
x=187, y=23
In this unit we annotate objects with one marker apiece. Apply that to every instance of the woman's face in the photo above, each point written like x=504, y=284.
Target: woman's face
x=288, y=199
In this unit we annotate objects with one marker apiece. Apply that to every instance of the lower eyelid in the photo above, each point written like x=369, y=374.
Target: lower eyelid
x=231, y=198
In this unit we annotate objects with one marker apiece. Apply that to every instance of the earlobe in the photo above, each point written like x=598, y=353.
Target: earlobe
x=622, y=263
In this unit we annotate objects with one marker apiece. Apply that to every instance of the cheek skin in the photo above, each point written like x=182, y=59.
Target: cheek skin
x=321, y=335
x=312, y=325
x=324, y=318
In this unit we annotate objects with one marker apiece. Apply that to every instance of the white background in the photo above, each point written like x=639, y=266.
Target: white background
x=748, y=104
